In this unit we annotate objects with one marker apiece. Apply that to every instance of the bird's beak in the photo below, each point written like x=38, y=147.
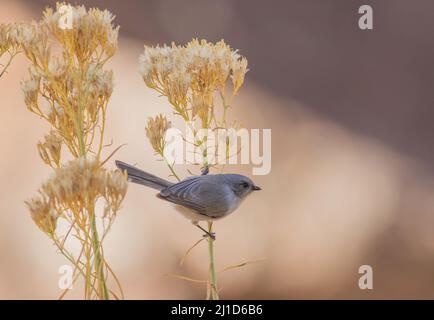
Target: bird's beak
x=256, y=188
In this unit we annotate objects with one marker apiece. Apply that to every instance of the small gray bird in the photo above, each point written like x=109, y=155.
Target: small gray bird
x=198, y=198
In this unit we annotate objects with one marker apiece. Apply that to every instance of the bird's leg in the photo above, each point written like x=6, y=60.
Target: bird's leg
x=205, y=170
x=207, y=234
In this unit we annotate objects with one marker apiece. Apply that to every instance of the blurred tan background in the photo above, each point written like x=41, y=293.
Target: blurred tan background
x=352, y=177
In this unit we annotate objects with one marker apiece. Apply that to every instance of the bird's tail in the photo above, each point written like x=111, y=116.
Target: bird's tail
x=141, y=177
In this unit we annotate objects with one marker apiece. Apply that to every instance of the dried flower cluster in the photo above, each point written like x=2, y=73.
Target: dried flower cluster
x=43, y=214
x=90, y=31
x=11, y=38
x=69, y=87
x=72, y=189
x=74, y=84
x=4, y=38
x=190, y=75
x=155, y=131
x=9, y=43
x=50, y=149
x=193, y=77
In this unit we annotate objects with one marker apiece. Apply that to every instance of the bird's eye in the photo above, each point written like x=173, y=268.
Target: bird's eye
x=245, y=185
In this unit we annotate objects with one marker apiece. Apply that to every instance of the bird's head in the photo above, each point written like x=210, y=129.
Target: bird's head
x=241, y=185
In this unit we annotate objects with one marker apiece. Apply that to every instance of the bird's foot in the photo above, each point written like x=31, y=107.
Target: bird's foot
x=205, y=170
x=209, y=235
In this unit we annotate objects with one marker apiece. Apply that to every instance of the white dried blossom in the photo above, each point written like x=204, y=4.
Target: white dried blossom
x=56, y=66
x=206, y=64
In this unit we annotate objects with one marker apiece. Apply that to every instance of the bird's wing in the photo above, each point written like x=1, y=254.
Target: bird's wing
x=195, y=193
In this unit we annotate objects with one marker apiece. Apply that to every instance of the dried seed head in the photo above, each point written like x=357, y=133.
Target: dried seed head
x=99, y=82
x=57, y=67
x=30, y=89
x=88, y=30
x=33, y=39
x=155, y=130
x=50, y=148
x=239, y=70
x=116, y=188
x=5, y=42
x=195, y=71
x=81, y=182
x=73, y=182
x=201, y=105
x=42, y=213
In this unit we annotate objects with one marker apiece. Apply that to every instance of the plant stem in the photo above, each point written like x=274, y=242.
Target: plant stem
x=98, y=257
x=11, y=57
x=212, y=273
x=171, y=168
x=96, y=246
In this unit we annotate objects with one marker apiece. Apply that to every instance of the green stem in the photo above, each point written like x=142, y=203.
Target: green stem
x=79, y=131
x=170, y=167
x=96, y=245
x=98, y=257
x=212, y=273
